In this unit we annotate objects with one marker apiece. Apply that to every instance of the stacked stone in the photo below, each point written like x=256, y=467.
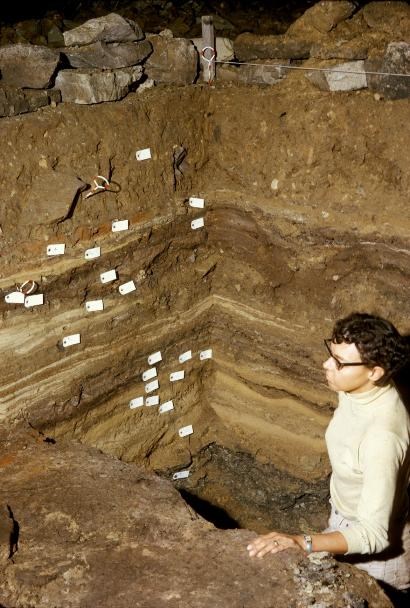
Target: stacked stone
x=101, y=60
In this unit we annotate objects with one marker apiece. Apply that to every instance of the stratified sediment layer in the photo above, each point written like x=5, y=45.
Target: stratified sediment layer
x=305, y=220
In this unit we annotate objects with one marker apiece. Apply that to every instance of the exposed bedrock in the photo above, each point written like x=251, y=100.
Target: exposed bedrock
x=306, y=218
x=94, y=531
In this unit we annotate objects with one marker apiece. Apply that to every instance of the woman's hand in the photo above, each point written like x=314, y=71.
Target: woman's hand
x=274, y=542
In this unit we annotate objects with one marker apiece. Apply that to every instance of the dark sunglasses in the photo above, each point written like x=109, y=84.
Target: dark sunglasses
x=339, y=364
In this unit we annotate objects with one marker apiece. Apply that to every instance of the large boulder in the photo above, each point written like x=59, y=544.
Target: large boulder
x=249, y=47
x=323, y=17
x=95, y=86
x=348, y=76
x=51, y=198
x=396, y=60
x=18, y=101
x=390, y=17
x=107, y=56
x=26, y=65
x=173, y=61
x=110, y=28
x=97, y=532
x=267, y=73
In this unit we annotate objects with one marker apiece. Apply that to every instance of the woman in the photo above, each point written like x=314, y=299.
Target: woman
x=368, y=442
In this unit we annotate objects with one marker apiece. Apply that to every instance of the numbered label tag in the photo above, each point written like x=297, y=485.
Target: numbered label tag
x=94, y=305
x=137, y=402
x=177, y=376
x=180, y=475
x=155, y=358
x=118, y=225
x=127, y=288
x=185, y=356
x=198, y=223
x=56, y=249
x=90, y=254
x=199, y=203
x=71, y=340
x=205, y=354
x=144, y=154
x=152, y=386
x=149, y=373
x=185, y=430
x=110, y=275
x=166, y=407
x=15, y=297
x=35, y=300
x=154, y=400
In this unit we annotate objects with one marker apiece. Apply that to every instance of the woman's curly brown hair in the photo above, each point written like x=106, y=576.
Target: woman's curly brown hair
x=377, y=340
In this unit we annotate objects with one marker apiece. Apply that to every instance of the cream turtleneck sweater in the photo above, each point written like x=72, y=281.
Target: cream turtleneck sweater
x=368, y=443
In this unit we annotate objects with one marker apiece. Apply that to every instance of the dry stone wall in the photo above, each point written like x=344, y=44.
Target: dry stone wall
x=339, y=47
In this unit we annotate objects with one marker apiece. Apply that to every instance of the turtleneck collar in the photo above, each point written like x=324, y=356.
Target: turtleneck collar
x=369, y=396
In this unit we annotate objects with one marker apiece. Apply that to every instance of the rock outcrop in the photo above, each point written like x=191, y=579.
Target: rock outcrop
x=87, y=530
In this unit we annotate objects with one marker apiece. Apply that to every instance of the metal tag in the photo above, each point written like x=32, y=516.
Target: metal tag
x=166, y=407
x=155, y=358
x=127, y=288
x=149, y=373
x=70, y=340
x=199, y=203
x=15, y=297
x=198, y=223
x=56, y=249
x=185, y=356
x=205, y=354
x=154, y=400
x=137, y=402
x=93, y=305
x=108, y=276
x=119, y=225
x=177, y=376
x=180, y=475
x=151, y=386
x=144, y=154
x=185, y=430
x=95, y=252
x=35, y=300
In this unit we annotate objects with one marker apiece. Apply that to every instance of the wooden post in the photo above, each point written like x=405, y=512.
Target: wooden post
x=208, y=50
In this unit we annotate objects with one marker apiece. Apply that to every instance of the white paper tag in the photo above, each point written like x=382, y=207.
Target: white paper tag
x=70, y=340
x=56, y=249
x=199, y=203
x=198, y=223
x=137, y=402
x=151, y=386
x=180, y=475
x=149, y=373
x=154, y=400
x=90, y=254
x=108, y=276
x=155, y=358
x=35, y=300
x=15, y=297
x=166, y=407
x=118, y=225
x=185, y=356
x=93, y=305
x=127, y=288
x=185, y=430
x=205, y=354
x=144, y=154
x=177, y=376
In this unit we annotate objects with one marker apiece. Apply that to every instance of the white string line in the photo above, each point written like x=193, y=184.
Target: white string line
x=312, y=69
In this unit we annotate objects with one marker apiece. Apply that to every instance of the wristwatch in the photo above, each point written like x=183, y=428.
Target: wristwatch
x=308, y=543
